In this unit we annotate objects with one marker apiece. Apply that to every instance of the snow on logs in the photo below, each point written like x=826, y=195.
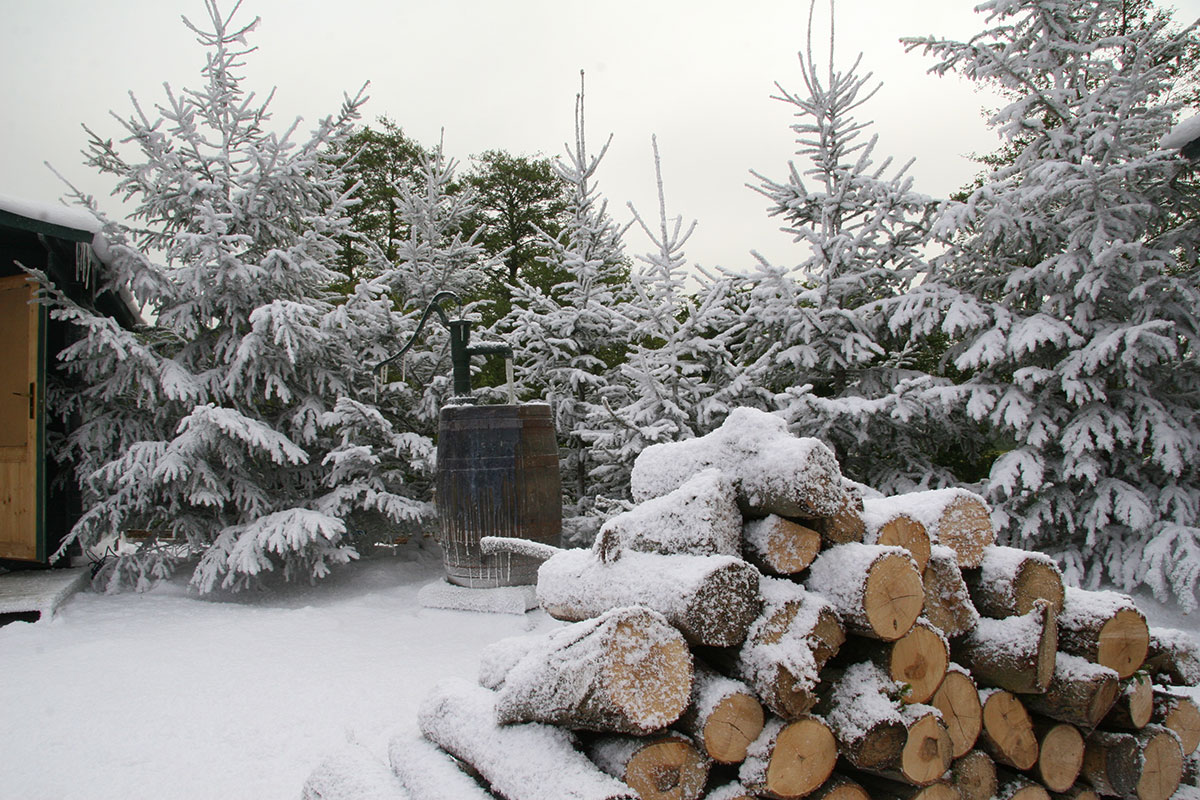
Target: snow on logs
x=754, y=613
x=772, y=471
x=711, y=599
x=529, y=761
x=876, y=589
x=665, y=766
x=627, y=671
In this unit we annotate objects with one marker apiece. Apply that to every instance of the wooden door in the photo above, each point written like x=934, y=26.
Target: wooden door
x=20, y=421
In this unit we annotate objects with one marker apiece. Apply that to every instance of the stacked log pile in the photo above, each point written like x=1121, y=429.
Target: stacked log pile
x=758, y=626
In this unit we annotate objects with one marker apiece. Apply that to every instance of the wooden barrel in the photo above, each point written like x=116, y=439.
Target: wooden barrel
x=497, y=475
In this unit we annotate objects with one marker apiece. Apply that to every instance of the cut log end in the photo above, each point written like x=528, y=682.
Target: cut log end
x=893, y=596
x=1060, y=757
x=780, y=546
x=927, y=751
x=904, y=531
x=803, y=759
x=974, y=775
x=1181, y=715
x=919, y=659
x=1124, y=642
x=647, y=677
x=1008, y=731
x=670, y=769
x=733, y=725
x=1162, y=767
x=966, y=528
x=1037, y=580
x=840, y=788
x=958, y=700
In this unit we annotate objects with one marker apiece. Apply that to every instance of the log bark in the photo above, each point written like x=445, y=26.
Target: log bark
x=1080, y=692
x=862, y=708
x=789, y=759
x=785, y=648
x=779, y=546
x=956, y=518
x=1015, y=786
x=876, y=590
x=627, y=671
x=1173, y=656
x=958, y=700
x=520, y=762
x=974, y=774
x=723, y=716
x=773, y=471
x=665, y=766
x=1007, y=732
x=1015, y=653
x=352, y=772
x=1104, y=627
x=1134, y=705
x=1179, y=713
x=429, y=773
x=711, y=600
x=1009, y=581
x=701, y=518
x=1147, y=764
x=948, y=603
x=1060, y=754
x=844, y=525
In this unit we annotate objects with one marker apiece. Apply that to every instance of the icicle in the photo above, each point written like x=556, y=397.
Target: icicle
x=85, y=263
x=508, y=376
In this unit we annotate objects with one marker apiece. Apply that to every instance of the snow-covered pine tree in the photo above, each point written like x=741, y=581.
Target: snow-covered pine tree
x=677, y=358
x=811, y=337
x=1077, y=317
x=233, y=423
x=570, y=339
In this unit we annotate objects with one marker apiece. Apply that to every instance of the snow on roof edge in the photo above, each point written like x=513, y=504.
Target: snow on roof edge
x=61, y=215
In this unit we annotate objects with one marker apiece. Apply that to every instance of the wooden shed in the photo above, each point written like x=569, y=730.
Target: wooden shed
x=35, y=510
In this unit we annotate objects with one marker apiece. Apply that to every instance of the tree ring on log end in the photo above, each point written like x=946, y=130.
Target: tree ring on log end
x=1061, y=757
x=648, y=679
x=919, y=658
x=1123, y=642
x=893, y=596
x=667, y=770
x=803, y=759
x=734, y=724
x=1162, y=768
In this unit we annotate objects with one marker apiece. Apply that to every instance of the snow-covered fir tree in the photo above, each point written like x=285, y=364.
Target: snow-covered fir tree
x=570, y=339
x=1070, y=290
x=677, y=361
x=811, y=337
x=239, y=423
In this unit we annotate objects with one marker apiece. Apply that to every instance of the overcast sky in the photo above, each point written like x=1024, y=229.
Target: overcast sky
x=503, y=74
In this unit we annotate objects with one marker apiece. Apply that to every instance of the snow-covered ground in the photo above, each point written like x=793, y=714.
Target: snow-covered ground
x=167, y=695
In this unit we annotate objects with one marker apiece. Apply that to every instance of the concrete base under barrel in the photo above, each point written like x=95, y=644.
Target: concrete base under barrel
x=497, y=476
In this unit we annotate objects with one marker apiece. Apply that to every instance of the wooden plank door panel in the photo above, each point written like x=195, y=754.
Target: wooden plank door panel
x=20, y=465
